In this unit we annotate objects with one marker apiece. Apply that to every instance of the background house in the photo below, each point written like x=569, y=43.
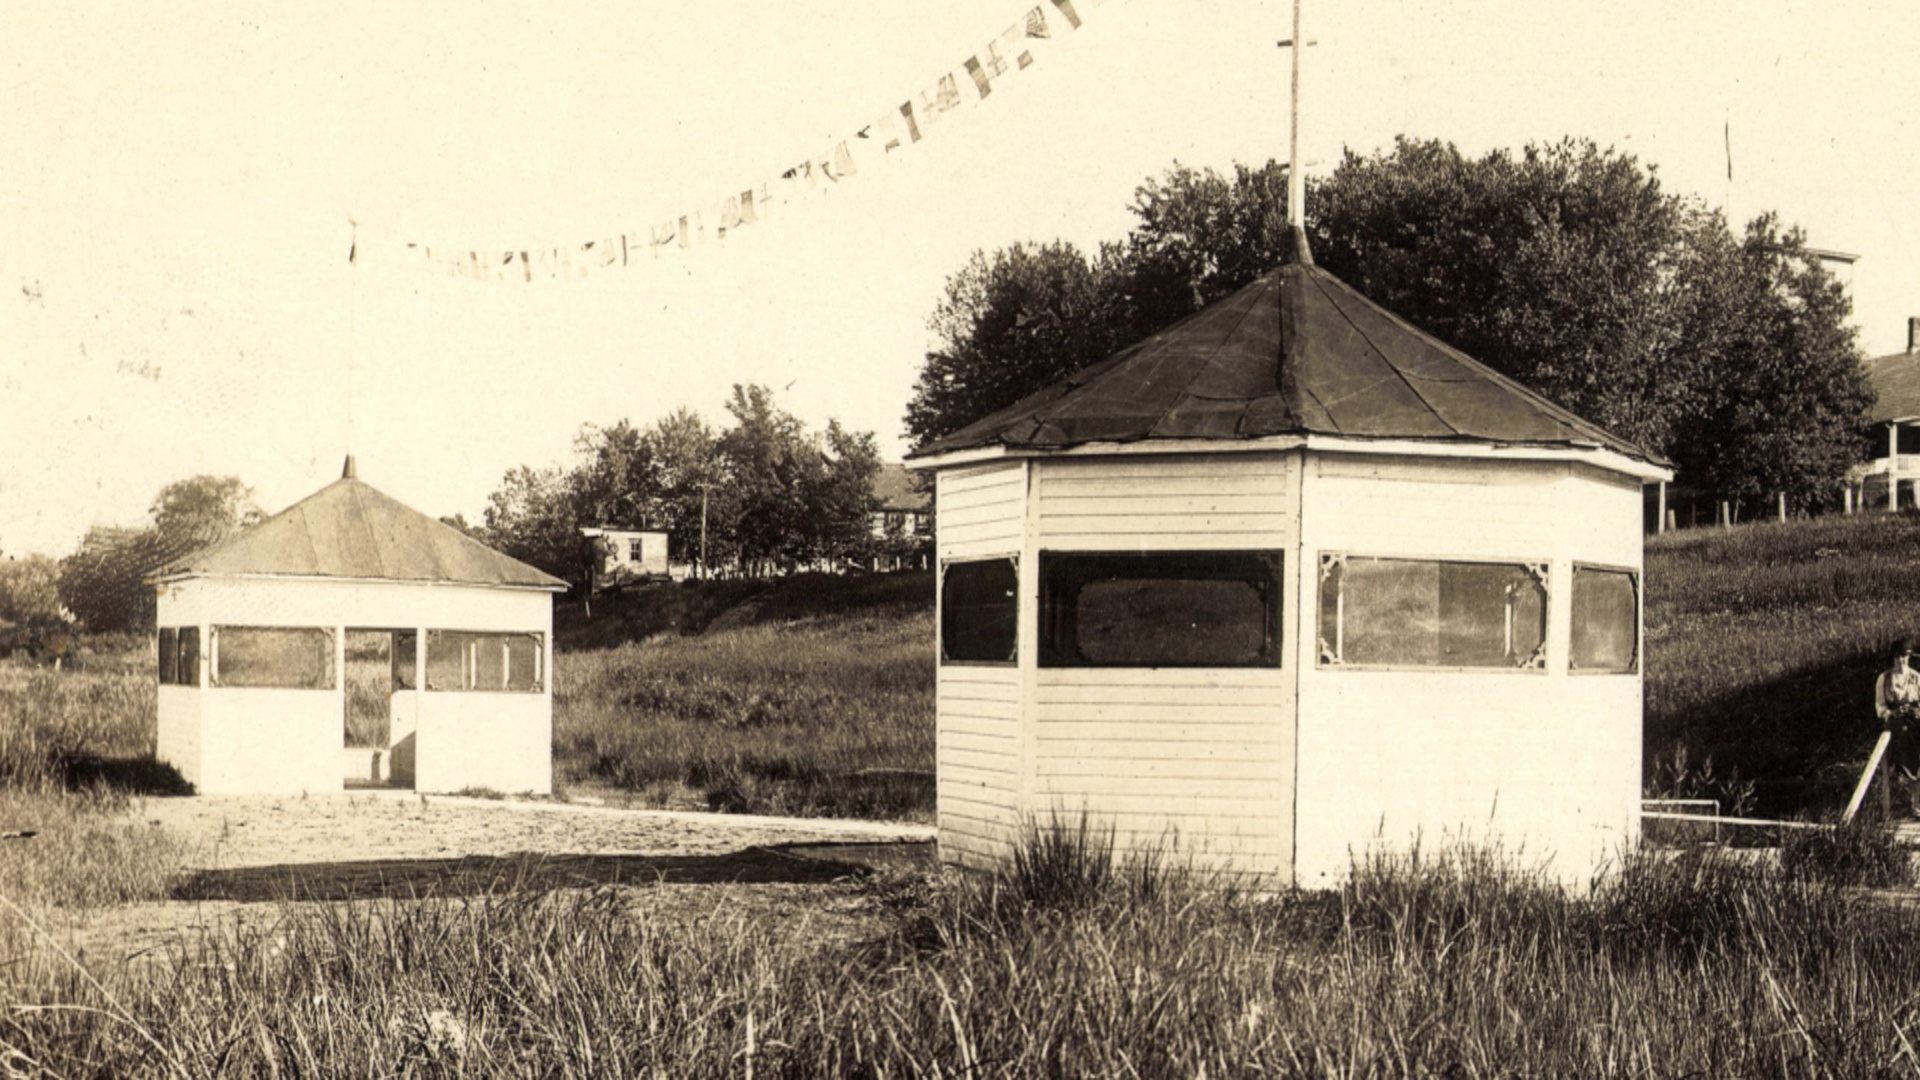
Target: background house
x=901, y=520
x=1889, y=476
x=623, y=557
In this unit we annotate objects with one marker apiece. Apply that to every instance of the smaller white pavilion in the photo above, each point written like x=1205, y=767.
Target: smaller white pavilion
x=253, y=657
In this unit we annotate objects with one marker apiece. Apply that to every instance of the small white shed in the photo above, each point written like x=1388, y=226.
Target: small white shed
x=253, y=653
x=1285, y=583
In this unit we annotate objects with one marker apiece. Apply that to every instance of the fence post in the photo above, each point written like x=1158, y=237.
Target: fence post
x=1780, y=503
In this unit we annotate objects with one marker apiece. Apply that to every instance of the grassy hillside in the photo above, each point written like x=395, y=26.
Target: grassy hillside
x=808, y=695
x=1762, y=647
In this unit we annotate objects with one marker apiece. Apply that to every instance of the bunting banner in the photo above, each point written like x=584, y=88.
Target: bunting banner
x=971, y=82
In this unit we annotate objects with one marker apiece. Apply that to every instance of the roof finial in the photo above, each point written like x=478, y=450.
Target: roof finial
x=1302, y=254
x=348, y=471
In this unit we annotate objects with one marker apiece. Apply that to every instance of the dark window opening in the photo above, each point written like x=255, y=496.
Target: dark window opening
x=1432, y=613
x=980, y=611
x=1160, y=609
x=406, y=659
x=169, y=656
x=1606, y=620
x=280, y=657
x=188, y=671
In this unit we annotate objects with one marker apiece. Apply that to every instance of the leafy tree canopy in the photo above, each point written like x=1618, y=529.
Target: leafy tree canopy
x=771, y=493
x=1565, y=266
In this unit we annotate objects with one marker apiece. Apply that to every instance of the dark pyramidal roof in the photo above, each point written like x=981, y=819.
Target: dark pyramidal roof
x=1295, y=353
x=348, y=529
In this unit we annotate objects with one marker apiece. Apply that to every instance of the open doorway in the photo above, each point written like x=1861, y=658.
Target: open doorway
x=378, y=662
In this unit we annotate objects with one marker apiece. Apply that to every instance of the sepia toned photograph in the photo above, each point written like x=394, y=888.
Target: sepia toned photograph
x=990, y=538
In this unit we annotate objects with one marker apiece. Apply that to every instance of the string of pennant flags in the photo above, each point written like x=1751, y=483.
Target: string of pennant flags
x=1012, y=51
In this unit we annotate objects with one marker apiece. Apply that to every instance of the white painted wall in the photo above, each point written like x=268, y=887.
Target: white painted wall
x=177, y=734
x=982, y=514
x=1199, y=761
x=232, y=740
x=1547, y=763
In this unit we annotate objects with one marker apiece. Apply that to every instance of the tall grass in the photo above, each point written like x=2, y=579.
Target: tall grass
x=1762, y=647
x=1452, y=964
x=830, y=715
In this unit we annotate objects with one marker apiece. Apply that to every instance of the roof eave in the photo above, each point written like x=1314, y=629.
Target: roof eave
x=554, y=586
x=1596, y=455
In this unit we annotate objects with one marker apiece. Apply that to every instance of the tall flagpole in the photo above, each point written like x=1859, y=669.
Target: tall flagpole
x=1296, y=182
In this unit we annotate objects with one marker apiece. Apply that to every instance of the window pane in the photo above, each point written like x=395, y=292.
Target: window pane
x=189, y=671
x=1165, y=609
x=1392, y=612
x=980, y=611
x=405, y=659
x=1430, y=613
x=523, y=662
x=1606, y=620
x=466, y=660
x=169, y=655
x=447, y=667
x=286, y=657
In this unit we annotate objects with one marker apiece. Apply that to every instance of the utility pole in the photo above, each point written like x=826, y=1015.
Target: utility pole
x=705, y=486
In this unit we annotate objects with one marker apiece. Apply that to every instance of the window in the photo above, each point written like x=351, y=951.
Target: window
x=405, y=659
x=1606, y=620
x=896, y=522
x=979, y=611
x=285, y=657
x=1432, y=613
x=188, y=673
x=500, y=662
x=1160, y=609
x=169, y=656
x=636, y=550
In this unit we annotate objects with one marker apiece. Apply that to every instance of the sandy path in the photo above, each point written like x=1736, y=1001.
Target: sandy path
x=428, y=845
x=249, y=831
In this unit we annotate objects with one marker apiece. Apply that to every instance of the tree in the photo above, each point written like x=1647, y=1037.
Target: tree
x=1565, y=266
x=687, y=471
x=775, y=495
x=533, y=516
x=1784, y=410
x=104, y=581
x=1009, y=324
x=200, y=511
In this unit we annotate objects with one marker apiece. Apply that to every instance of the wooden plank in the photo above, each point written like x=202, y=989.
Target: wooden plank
x=1186, y=505
x=1164, y=686
x=1204, y=531
x=984, y=742
x=1167, y=466
x=1211, y=771
x=1209, y=751
x=1060, y=717
x=1273, y=486
x=1004, y=493
x=952, y=756
x=1196, y=731
x=1273, y=784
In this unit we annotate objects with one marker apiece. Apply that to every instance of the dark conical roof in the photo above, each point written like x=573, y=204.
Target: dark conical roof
x=1295, y=353
x=350, y=530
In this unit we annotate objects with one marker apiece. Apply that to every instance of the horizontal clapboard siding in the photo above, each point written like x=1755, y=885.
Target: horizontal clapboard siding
x=1243, y=501
x=981, y=511
x=978, y=785
x=1197, y=760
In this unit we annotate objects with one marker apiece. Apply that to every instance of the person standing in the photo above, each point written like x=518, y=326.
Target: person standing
x=1896, y=700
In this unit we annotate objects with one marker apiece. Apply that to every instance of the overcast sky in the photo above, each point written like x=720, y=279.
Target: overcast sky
x=177, y=182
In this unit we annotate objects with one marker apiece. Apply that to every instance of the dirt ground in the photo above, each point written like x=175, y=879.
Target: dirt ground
x=261, y=859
